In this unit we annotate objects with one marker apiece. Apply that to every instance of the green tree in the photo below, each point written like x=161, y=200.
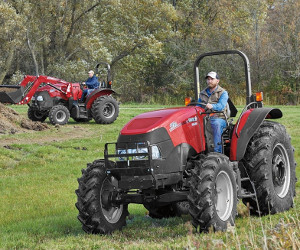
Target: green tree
x=12, y=32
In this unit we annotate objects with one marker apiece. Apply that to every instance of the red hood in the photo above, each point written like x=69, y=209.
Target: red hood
x=167, y=118
x=62, y=86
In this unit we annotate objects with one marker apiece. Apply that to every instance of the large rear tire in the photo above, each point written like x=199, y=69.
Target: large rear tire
x=59, y=114
x=96, y=215
x=36, y=115
x=213, y=193
x=105, y=110
x=269, y=162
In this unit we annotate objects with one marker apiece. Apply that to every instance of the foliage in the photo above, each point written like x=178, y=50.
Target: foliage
x=11, y=31
x=152, y=44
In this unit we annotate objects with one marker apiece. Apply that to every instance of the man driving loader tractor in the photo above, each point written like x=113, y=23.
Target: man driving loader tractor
x=91, y=83
x=215, y=99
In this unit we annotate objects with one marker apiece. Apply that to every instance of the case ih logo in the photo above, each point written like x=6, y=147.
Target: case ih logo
x=174, y=125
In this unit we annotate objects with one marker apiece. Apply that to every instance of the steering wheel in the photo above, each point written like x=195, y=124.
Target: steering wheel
x=201, y=104
x=82, y=86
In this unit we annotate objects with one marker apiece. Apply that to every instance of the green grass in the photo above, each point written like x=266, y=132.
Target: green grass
x=38, y=177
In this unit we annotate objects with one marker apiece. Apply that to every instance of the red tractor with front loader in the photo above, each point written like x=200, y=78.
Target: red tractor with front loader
x=164, y=160
x=59, y=100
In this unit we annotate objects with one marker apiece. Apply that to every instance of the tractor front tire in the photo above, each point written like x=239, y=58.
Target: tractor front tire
x=105, y=110
x=96, y=214
x=59, y=114
x=269, y=162
x=36, y=115
x=213, y=193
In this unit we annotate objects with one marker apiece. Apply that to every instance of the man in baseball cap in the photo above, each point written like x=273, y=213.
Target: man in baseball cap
x=91, y=83
x=212, y=74
x=215, y=99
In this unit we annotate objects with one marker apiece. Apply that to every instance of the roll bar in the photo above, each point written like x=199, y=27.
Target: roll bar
x=226, y=52
x=109, y=78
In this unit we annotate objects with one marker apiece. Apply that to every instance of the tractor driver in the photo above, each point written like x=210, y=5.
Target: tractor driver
x=216, y=99
x=91, y=83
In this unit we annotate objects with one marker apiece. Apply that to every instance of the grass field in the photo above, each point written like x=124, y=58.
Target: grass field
x=38, y=177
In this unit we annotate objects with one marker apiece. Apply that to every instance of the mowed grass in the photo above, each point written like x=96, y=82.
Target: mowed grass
x=38, y=179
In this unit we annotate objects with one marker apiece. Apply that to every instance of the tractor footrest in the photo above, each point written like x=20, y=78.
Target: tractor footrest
x=247, y=195
x=249, y=190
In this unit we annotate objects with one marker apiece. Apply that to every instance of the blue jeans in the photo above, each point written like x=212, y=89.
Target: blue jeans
x=217, y=125
x=85, y=93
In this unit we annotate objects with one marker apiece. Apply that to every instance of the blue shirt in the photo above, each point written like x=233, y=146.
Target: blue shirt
x=221, y=102
x=92, y=83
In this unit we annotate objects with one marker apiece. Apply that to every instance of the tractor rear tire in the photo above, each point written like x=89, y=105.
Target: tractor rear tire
x=96, y=215
x=269, y=162
x=59, y=114
x=213, y=193
x=105, y=110
x=36, y=115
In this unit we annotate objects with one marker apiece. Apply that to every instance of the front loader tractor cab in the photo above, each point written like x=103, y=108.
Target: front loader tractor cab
x=59, y=100
x=162, y=159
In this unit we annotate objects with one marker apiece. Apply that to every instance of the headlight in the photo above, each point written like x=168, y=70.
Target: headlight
x=40, y=98
x=155, y=153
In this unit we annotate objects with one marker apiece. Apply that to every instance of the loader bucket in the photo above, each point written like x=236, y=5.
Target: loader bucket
x=12, y=94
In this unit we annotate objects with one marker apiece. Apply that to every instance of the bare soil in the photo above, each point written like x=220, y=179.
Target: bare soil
x=55, y=134
x=11, y=122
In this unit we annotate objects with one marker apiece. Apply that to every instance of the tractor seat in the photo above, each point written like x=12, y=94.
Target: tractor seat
x=231, y=110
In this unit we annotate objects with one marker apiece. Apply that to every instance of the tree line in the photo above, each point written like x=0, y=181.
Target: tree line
x=152, y=44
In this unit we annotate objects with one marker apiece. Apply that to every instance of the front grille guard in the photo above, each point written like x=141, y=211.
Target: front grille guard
x=128, y=158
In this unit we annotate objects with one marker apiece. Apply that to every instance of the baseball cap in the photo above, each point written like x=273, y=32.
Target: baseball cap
x=212, y=74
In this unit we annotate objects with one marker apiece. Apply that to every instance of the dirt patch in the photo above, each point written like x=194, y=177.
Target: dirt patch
x=11, y=122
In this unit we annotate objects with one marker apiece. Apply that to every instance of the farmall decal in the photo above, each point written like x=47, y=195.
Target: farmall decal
x=175, y=125
x=193, y=120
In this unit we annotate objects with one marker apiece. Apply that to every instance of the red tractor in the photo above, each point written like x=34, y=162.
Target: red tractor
x=164, y=160
x=59, y=100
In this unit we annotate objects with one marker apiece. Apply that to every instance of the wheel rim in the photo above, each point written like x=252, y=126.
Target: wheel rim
x=112, y=214
x=224, y=196
x=109, y=110
x=61, y=116
x=281, y=170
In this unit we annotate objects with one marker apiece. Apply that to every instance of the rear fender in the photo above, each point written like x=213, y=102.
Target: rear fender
x=245, y=128
x=95, y=94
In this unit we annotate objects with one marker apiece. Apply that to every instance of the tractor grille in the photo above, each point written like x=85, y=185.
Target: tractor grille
x=125, y=155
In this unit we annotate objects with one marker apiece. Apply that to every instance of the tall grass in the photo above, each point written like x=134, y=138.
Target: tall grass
x=38, y=176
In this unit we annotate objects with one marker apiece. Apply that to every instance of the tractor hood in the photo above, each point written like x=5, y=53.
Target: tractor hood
x=170, y=119
x=57, y=86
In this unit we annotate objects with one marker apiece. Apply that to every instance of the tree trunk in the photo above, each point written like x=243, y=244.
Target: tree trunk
x=7, y=64
x=31, y=48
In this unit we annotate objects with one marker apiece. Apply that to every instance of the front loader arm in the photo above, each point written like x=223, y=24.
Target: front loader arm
x=26, y=89
x=37, y=81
